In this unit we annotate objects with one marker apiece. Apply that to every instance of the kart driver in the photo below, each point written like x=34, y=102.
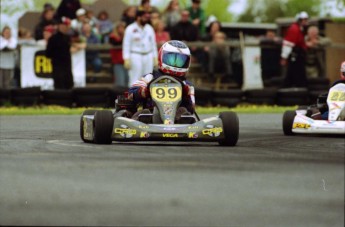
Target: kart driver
x=174, y=59
x=322, y=106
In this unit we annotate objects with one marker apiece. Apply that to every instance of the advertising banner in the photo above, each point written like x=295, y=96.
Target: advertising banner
x=36, y=68
x=252, y=68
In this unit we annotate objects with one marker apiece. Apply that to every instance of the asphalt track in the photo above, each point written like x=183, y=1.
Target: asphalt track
x=49, y=177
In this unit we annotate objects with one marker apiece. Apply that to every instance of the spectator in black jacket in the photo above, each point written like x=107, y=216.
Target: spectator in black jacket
x=184, y=30
x=68, y=8
x=47, y=18
x=59, y=50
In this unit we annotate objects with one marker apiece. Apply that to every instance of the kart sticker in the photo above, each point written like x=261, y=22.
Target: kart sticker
x=168, y=122
x=192, y=135
x=212, y=131
x=170, y=135
x=125, y=132
x=144, y=135
x=85, y=129
x=300, y=125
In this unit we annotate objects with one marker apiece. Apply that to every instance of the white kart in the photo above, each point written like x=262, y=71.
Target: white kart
x=300, y=121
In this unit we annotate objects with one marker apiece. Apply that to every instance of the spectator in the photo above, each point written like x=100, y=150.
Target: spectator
x=68, y=8
x=92, y=56
x=294, y=53
x=78, y=22
x=315, y=60
x=139, y=47
x=47, y=18
x=93, y=21
x=270, y=55
x=47, y=33
x=219, y=56
x=25, y=37
x=197, y=16
x=59, y=50
x=162, y=36
x=172, y=14
x=128, y=15
x=116, y=39
x=154, y=18
x=145, y=6
x=184, y=30
x=105, y=26
x=8, y=45
x=212, y=29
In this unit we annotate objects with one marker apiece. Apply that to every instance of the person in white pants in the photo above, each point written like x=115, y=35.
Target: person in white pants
x=139, y=47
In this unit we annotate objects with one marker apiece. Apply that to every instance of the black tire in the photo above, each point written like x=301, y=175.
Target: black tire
x=288, y=119
x=86, y=112
x=231, y=128
x=103, y=126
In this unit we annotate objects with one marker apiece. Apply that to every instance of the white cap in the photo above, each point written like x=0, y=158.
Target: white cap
x=80, y=12
x=302, y=15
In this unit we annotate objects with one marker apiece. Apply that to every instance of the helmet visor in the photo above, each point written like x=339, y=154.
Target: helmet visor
x=176, y=59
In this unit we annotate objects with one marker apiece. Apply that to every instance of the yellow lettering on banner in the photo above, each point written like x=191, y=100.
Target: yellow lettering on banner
x=170, y=135
x=43, y=64
x=300, y=125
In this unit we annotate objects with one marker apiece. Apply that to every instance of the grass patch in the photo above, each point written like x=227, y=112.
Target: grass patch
x=58, y=110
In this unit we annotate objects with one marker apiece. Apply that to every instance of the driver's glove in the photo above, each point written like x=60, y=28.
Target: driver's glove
x=144, y=92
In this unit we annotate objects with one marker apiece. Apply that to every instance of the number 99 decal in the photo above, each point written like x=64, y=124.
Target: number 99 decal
x=166, y=94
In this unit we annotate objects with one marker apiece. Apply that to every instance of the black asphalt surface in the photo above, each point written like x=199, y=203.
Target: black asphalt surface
x=49, y=177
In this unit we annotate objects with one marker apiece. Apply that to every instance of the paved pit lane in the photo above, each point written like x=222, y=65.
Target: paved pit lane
x=49, y=177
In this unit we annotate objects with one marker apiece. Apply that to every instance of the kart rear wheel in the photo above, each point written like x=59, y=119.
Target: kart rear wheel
x=230, y=127
x=86, y=112
x=288, y=119
x=103, y=125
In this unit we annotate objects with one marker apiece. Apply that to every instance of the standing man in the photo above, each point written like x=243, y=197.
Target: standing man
x=197, y=15
x=139, y=47
x=294, y=52
x=8, y=45
x=59, y=50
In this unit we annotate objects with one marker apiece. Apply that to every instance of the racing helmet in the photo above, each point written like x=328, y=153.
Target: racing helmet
x=174, y=58
x=342, y=70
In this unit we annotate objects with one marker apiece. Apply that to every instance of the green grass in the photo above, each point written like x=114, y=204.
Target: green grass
x=58, y=110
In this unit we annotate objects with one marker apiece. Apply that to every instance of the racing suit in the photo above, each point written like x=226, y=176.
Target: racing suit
x=294, y=49
x=140, y=94
x=140, y=48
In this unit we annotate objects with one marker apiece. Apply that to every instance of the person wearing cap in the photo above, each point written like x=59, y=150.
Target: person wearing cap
x=47, y=33
x=293, y=54
x=139, y=47
x=59, y=51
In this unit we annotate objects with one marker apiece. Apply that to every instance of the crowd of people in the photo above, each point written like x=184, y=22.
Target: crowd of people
x=141, y=30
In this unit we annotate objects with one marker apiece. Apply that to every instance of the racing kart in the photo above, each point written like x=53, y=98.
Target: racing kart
x=301, y=121
x=105, y=126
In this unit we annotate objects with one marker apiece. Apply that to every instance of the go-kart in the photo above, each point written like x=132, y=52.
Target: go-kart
x=301, y=120
x=105, y=126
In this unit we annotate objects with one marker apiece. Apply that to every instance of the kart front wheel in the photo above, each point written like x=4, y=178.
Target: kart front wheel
x=103, y=126
x=86, y=112
x=230, y=127
x=288, y=119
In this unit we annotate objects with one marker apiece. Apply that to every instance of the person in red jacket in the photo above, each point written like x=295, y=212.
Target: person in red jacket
x=294, y=52
x=116, y=38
